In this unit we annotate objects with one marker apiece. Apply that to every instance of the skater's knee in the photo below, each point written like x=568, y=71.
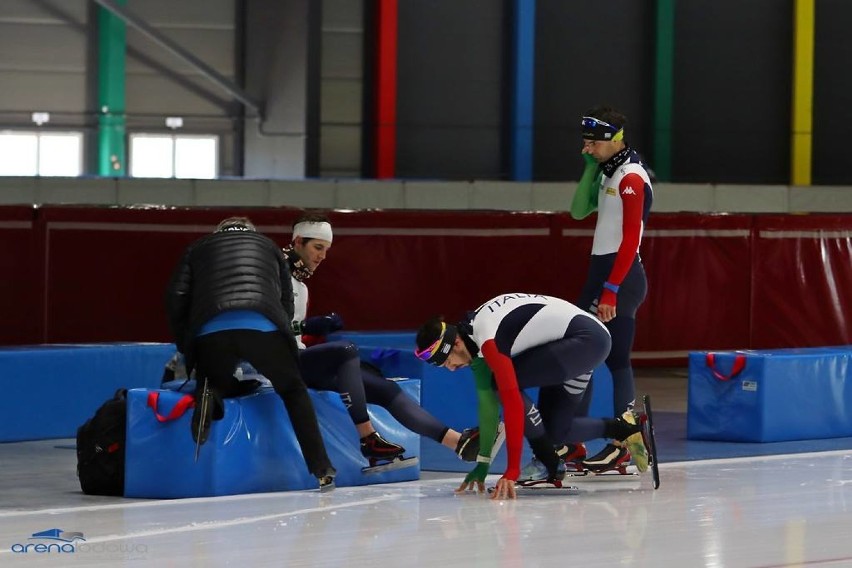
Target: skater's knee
x=383, y=394
x=350, y=351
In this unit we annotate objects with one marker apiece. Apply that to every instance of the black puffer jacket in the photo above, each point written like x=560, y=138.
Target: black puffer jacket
x=233, y=270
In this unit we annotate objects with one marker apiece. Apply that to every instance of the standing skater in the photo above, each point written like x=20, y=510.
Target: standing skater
x=617, y=183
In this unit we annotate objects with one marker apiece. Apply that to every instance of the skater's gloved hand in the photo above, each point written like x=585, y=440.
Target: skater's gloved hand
x=322, y=325
x=505, y=489
x=468, y=446
x=475, y=480
x=607, y=302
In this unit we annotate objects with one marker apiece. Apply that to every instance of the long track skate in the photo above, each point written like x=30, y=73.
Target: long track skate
x=650, y=440
x=378, y=465
x=202, y=422
x=542, y=487
x=619, y=474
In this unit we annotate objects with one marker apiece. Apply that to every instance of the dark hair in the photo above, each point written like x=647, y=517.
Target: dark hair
x=429, y=332
x=609, y=115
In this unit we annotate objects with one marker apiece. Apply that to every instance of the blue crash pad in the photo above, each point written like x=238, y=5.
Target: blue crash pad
x=252, y=449
x=770, y=395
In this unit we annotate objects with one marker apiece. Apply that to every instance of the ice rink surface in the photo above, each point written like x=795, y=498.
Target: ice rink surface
x=767, y=511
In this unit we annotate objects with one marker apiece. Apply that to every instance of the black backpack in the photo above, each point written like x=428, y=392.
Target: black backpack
x=100, y=448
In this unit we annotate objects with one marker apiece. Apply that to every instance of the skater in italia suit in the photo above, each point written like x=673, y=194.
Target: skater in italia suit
x=516, y=341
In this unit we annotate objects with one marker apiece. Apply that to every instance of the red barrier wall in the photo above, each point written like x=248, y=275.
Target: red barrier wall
x=21, y=277
x=87, y=274
x=802, y=281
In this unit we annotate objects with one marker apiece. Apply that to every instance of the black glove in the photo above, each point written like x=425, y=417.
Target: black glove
x=468, y=447
x=322, y=325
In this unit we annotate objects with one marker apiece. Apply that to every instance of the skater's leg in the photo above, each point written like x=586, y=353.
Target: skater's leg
x=216, y=357
x=274, y=355
x=336, y=367
x=585, y=346
x=405, y=409
x=561, y=370
x=584, y=428
x=559, y=410
x=623, y=330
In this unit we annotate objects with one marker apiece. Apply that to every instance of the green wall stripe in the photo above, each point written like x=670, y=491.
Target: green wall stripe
x=112, y=50
x=664, y=90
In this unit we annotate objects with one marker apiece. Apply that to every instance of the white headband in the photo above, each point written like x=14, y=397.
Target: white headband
x=312, y=230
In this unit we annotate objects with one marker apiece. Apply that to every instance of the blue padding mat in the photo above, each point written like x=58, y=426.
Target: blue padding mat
x=50, y=390
x=770, y=395
x=252, y=449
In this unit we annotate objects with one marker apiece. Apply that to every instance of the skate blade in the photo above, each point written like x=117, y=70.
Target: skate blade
x=399, y=463
x=205, y=402
x=605, y=476
x=648, y=434
x=542, y=488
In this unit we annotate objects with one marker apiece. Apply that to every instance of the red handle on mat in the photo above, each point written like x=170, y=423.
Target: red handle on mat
x=739, y=365
x=186, y=402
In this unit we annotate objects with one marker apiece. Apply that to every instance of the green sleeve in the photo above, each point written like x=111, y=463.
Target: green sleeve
x=487, y=404
x=586, y=198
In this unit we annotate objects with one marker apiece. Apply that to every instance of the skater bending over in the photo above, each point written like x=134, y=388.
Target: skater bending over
x=524, y=341
x=230, y=299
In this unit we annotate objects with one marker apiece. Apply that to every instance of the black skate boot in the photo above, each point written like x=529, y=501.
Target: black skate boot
x=628, y=442
x=627, y=429
x=326, y=479
x=635, y=442
x=614, y=457
x=573, y=456
x=375, y=448
x=383, y=455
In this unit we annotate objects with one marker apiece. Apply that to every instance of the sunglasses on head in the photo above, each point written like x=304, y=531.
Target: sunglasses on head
x=591, y=122
x=437, y=352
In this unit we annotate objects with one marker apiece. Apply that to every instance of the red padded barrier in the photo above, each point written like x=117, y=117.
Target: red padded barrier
x=393, y=270
x=803, y=281
x=108, y=267
x=21, y=277
x=699, y=283
x=89, y=274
